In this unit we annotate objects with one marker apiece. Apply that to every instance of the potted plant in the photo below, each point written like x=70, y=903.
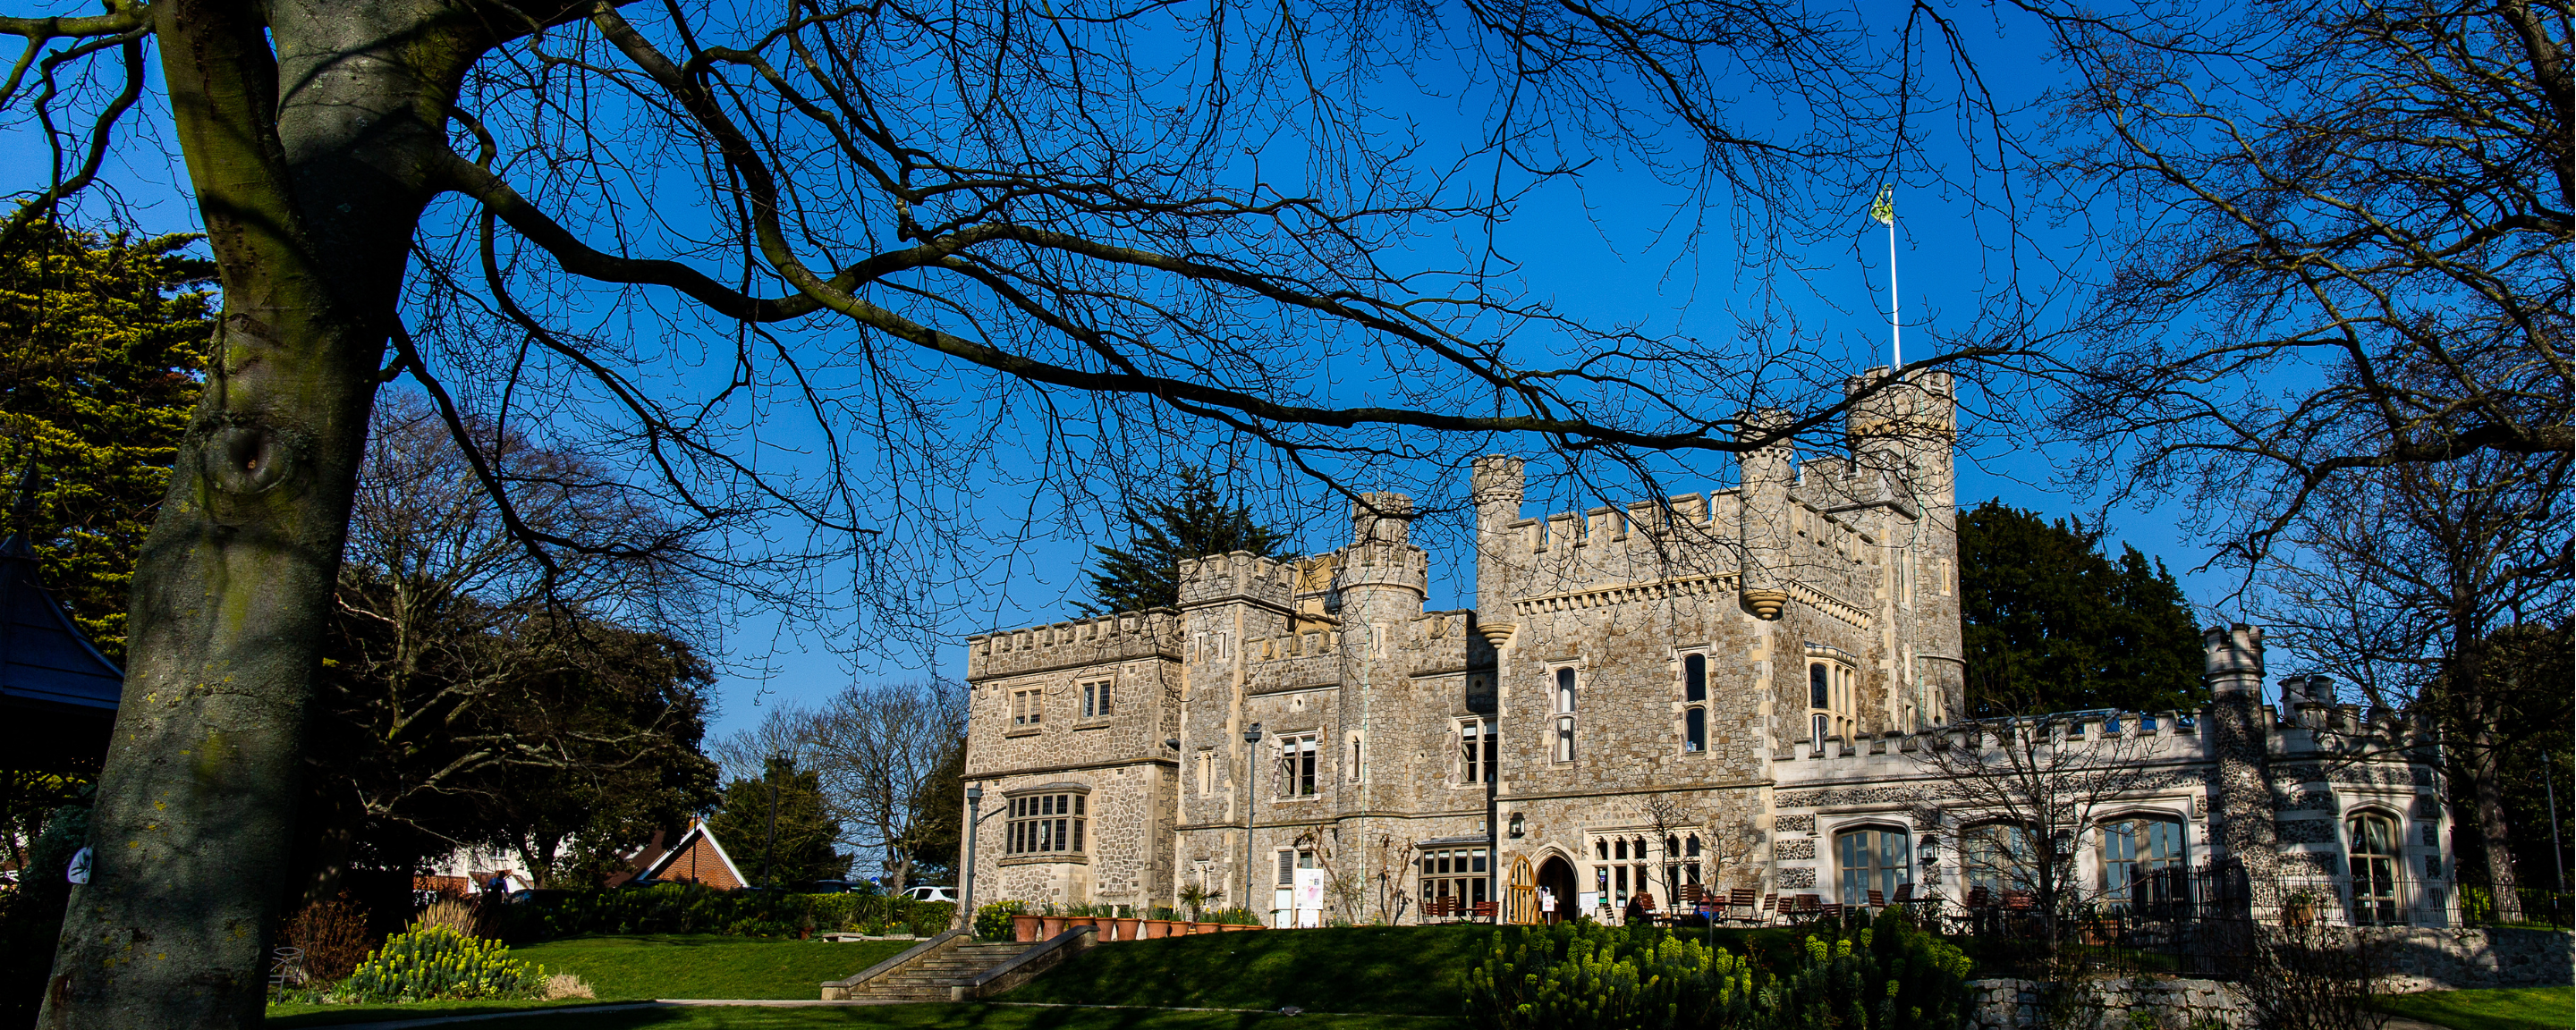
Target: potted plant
x=1050, y=922
x=1129, y=927
x=1080, y=915
x=1159, y=922
x=1024, y=924
x=1196, y=899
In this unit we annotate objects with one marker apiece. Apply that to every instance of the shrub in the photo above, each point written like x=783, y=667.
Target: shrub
x=1585, y=976
x=1234, y=916
x=333, y=937
x=993, y=920
x=456, y=914
x=1885, y=976
x=434, y=961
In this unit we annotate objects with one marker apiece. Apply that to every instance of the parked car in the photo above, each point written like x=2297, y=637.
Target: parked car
x=947, y=894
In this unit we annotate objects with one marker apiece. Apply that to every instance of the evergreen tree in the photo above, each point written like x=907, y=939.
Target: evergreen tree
x=802, y=852
x=2053, y=624
x=102, y=346
x=1197, y=520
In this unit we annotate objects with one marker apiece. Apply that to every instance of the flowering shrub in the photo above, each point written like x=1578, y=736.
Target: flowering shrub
x=434, y=961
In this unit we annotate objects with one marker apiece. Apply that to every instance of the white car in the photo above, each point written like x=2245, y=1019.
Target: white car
x=947, y=894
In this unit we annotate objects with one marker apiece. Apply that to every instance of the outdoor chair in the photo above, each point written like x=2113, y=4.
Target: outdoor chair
x=1770, y=909
x=1483, y=911
x=1904, y=895
x=1692, y=895
x=1739, y=904
x=1809, y=907
x=1435, y=907
x=1876, y=901
x=1979, y=897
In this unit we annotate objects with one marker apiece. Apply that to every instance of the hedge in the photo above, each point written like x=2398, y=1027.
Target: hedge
x=689, y=908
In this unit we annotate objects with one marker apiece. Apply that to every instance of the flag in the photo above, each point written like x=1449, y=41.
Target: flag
x=1884, y=208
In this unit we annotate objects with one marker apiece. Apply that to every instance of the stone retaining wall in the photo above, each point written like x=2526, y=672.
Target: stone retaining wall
x=2425, y=959
x=2176, y=1004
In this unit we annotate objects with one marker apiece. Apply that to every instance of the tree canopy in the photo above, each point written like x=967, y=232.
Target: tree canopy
x=1196, y=519
x=803, y=849
x=2053, y=624
x=103, y=339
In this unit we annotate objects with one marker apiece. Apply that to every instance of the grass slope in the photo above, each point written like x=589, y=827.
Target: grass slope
x=643, y=968
x=1395, y=970
x=953, y=1017
x=2515, y=1008
x=1407, y=970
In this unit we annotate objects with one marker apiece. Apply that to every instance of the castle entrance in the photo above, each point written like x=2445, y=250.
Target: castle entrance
x=1556, y=876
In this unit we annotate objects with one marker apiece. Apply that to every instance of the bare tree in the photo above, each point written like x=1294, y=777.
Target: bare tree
x=467, y=678
x=2339, y=245
x=879, y=751
x=2399, y=583
x=2022, y=792
x=924, y=232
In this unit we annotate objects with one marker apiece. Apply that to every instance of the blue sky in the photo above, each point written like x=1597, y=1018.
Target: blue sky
x=1589, y=246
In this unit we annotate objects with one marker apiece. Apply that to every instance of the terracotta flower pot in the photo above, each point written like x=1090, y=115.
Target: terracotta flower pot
x=1156, y=929
x=1070, y=922
x=1195, y=927
x=1024, y=928
x=1129, y=929
x=1052, y=925
x=1240, y=927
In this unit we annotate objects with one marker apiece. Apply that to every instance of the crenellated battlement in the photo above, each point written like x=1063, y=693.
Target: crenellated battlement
x=1703, y=515
x=2178, y=734
x=1239, y=575
x=1395, y=565
x=1124, y=636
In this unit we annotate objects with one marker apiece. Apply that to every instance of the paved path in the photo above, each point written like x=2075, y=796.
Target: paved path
x=674, y=1003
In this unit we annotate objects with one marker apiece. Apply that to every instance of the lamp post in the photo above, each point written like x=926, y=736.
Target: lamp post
x=966, y=881
x=1251, y=747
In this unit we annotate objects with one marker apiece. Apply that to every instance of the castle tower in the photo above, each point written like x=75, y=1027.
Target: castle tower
x=1764, y=526
x=1901, y=434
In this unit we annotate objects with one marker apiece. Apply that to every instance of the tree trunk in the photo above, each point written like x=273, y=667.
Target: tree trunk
x=2483, y=764
x=306, y=174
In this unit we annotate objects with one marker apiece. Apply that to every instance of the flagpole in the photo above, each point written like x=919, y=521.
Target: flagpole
x=1895, y=325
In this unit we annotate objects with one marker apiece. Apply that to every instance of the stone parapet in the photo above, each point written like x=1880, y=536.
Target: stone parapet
x=1108, y=638
x=1240, y=576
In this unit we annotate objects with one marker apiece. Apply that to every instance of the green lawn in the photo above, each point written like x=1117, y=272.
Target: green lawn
x=954, y=1017
x=646, y=967
x=2518, y=1008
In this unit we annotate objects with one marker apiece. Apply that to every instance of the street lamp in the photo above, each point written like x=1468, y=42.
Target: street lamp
x=1251, y=745
x=966, y=883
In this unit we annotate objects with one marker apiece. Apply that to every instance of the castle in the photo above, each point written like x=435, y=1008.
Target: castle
x=1739, y=689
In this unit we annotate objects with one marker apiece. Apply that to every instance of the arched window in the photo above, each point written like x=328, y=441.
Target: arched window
x=1998, y=858
x=1695, y=729
x=1690, y=846
x=1874, y=858
x=2372, y=840
x=1695, y=677
x=2133, y=848
x=1564, y=691
x=1820, y=690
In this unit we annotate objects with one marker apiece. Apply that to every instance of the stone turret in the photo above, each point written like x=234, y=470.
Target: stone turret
x=1764, y=526
x=1381, y=576
x=1496, y=489
x=2241, y=814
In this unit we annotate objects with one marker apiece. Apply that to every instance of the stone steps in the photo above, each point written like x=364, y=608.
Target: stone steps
x=930, y=978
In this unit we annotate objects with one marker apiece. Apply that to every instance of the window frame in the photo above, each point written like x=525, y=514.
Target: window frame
x=1879, y=870
x=1478, y=747
x=2118, y=846
x=1297, y=766
x=2376, y=877
x=1046, y=822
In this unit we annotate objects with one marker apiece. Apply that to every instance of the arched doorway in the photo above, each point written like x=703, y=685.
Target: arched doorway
x=1556, y=876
